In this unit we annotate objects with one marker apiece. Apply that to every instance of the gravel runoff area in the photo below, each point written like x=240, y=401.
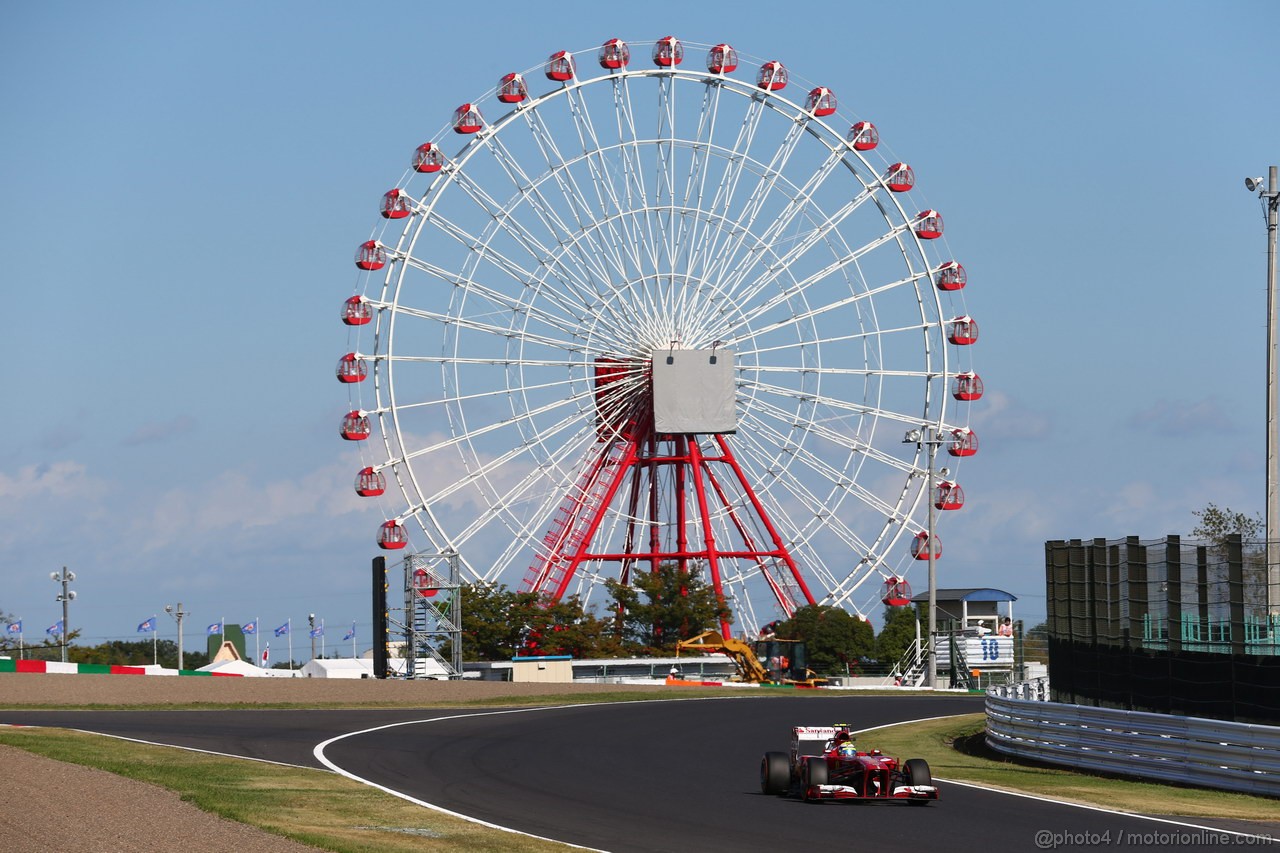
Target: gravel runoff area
x=126, y=815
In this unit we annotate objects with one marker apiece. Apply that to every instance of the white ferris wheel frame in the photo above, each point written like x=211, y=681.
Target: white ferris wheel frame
x=709, y=213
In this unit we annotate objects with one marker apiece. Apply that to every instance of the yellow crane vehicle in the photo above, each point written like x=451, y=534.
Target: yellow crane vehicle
x=766, y=661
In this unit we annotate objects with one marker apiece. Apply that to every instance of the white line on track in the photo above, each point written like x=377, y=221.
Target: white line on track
x=323, y=759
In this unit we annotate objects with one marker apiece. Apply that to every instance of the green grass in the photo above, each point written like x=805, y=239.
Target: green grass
x=311, y=806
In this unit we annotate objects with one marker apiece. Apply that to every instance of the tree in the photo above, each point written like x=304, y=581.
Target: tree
x=1035, y=643
x=658, y=609
x=833, y=638
x=498, y=624
x=898, y=633
x=1217, y=524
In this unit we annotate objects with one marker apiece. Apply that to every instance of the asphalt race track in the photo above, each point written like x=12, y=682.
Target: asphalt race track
x=641, y=777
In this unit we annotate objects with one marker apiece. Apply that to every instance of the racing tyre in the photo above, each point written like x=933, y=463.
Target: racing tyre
x=815, y=773
x=775, y=773
x=917, y=771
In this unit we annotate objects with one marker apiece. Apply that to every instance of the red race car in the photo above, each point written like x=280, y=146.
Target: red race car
x=825, y=764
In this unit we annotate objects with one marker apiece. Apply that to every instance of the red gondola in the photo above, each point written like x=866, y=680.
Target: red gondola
x=392, y=535
x=920, y=546
x=370, y=483
x=424, y=584
x=963, y=331
x=967, y=386
x=351, y=368
x=928, y=225
x=511, y=88
x=863, y=136
x=357, y=311
x=948, y=495
x=371, y=256
x=772, y=76
x=821, y=102
x=668, y=52
x=560, y=66
x=355, y=426
x=964, y=442
x=900, y=178
x=428, y=158
x=467, y=119
x=896, y=592
x=396, y=205
x=722, y=59
x=614, y=54
x=950, y=276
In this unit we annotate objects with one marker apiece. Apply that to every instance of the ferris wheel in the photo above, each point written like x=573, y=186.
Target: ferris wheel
x=622, y=314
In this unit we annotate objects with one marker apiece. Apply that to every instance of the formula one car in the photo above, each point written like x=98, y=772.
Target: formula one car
x=825, y=764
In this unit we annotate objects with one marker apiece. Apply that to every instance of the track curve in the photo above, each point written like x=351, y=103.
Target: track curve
x=637, y=777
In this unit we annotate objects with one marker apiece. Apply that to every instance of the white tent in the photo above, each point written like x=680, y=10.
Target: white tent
x=363, y=668
x=232, y=667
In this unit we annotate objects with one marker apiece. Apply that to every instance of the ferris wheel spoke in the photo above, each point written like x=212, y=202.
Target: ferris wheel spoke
x=632, y=169
x=735, y=163
x=468, y=436
x=479, y=395
x=836, y=371
x=664, y=169
x=837, y=266
x=784, y=260
x=502, y=219
x=499, y=332
x=572, y=312
x=696, y=179
x=841, y=440
x=501, y=504
x=569, y=323
x=602, y=176
x=607, y=250
x=818, y=514
x=743, y=226
x=589, y=262
x=829, y=307
x=869, y=335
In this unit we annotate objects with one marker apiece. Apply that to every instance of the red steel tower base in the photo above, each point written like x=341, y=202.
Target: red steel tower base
x=648, y=498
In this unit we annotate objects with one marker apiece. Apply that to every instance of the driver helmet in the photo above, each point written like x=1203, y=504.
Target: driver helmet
x=847, y=749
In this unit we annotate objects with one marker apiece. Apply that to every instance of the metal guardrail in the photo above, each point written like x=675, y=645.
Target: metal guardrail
x=1159, y=747
x=1036, y=689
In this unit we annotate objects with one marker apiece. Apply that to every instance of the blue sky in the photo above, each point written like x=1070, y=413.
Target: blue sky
x=183, y=187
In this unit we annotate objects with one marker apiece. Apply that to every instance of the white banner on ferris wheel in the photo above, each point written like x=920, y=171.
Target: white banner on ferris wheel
x=693, y=391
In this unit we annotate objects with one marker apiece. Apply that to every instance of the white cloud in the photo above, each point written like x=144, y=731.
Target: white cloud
x=1007, y=419
x=1181, y=419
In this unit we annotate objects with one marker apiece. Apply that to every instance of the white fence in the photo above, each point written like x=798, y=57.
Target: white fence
x=1159, y=747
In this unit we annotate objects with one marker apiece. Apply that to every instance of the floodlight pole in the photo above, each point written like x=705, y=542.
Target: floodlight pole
x=1270, y=196
x=178, y=616
x=67, y=595
x=930, y=438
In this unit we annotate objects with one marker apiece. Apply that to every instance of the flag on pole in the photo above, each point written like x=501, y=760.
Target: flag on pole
x=318, y=631
x=250, y=627
x=55, y=629
x=147, y=625
x=15, y=627
x=215, y=628
x=352, y=633
x=283, y=629
x=266, y=653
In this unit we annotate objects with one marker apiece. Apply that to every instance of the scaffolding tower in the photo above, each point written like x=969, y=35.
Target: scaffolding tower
x=432, y=614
